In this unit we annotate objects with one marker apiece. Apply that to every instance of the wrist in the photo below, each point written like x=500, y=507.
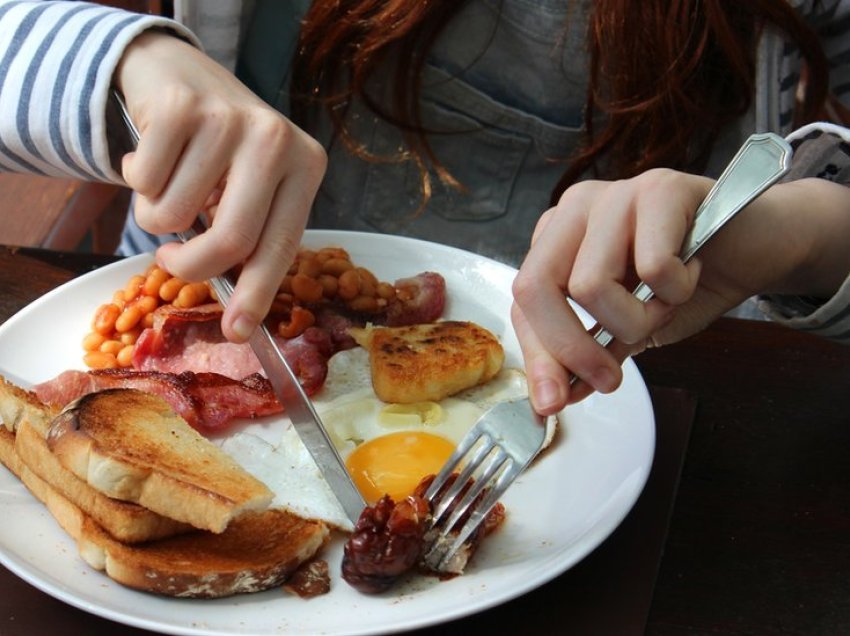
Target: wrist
x=811, y=218
x=151, y=47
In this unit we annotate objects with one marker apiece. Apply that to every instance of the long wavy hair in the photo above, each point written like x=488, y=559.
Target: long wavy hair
x=665, y=76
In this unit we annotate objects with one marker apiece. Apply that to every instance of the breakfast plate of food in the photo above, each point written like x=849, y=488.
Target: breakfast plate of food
x=111, y=544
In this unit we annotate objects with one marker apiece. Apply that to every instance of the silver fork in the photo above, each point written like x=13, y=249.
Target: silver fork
x=509, y=435
x=493, y=454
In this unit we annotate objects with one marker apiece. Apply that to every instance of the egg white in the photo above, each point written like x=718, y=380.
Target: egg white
x=353, y=414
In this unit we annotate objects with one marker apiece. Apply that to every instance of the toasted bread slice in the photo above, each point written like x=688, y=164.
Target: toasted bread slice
x=27, y=455
x=429, y=361
x=126, y=521
x=132, y=446
x=8, y=457
x=17, y=404
x=69, y=516
x=257, y=551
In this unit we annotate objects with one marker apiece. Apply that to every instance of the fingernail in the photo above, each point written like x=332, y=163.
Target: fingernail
x=244, y=326
x=547, y=393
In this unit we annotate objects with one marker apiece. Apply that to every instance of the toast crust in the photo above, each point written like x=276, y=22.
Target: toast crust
x=126, y=521
x=257, y=551
x=17, y=404
x=130, y=445
x=430, y=361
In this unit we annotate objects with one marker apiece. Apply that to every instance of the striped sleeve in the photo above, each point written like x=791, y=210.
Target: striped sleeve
x=822, y=151
x=831, y=20
x=56, y=66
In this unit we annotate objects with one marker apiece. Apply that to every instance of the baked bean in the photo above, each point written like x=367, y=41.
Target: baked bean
x=349, y=285
x=155, y=278
x=169, y=289
x=129, y=318
x=366, y=275
x=105, y=317
x=191, y=295
x=93, y=341
x=385, y=291
x=146, y=303
x=111, y=346
x=147, y=321
x=282, y=304
x=124, y=357
x=326, y=253
x=310, y=267
x=118, y=299
x=330, y=285
x=366, y=304
x=299, y=320
x=368, y=282
x=306, y=255
x=336, y=266
x=306, y=289
x=130, y=336
x=133, y=288
x=100, y=360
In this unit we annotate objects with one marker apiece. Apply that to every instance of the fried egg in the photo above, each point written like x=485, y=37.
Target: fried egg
x=387, y=448
x=289, y=471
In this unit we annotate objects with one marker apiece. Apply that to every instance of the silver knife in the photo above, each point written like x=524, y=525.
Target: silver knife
x=287, y=389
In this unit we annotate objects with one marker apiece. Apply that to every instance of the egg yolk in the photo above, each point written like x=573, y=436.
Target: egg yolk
x=394, y=464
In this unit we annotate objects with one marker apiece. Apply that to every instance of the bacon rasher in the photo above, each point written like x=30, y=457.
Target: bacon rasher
x=207, y=401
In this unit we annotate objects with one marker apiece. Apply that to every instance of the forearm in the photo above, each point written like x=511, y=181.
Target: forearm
x=817, y=297
x=59, y=58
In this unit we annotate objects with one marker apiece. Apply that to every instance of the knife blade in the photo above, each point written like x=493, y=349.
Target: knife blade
x=287, y=388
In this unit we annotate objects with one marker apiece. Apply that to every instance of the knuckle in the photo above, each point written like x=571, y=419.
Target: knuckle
x=275, y=131
x=524, y=288
x=168, y=216
x=585, y=289
x=233, y=245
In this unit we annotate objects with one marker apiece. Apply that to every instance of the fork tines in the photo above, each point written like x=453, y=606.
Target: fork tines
x=492, y=454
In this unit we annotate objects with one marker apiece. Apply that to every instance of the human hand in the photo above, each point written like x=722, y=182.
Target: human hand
x=603, y=237
x=207, y=144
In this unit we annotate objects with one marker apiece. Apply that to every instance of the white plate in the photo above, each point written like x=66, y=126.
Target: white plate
x=559, y=511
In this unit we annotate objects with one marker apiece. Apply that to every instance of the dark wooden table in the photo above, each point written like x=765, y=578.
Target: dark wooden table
x=743, y=527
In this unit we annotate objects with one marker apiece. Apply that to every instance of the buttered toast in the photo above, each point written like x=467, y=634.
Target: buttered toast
x=132, y=446
x=429, y=361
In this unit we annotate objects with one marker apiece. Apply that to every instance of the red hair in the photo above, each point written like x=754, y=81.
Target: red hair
x=665, y=75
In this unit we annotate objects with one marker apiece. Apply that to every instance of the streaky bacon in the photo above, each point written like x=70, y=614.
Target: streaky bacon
x=191, y=340
x=207, y=401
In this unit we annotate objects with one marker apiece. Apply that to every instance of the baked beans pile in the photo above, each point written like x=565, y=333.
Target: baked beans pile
x=315, y=277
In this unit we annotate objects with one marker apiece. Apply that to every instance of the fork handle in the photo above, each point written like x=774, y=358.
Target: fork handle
x=759, y=163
